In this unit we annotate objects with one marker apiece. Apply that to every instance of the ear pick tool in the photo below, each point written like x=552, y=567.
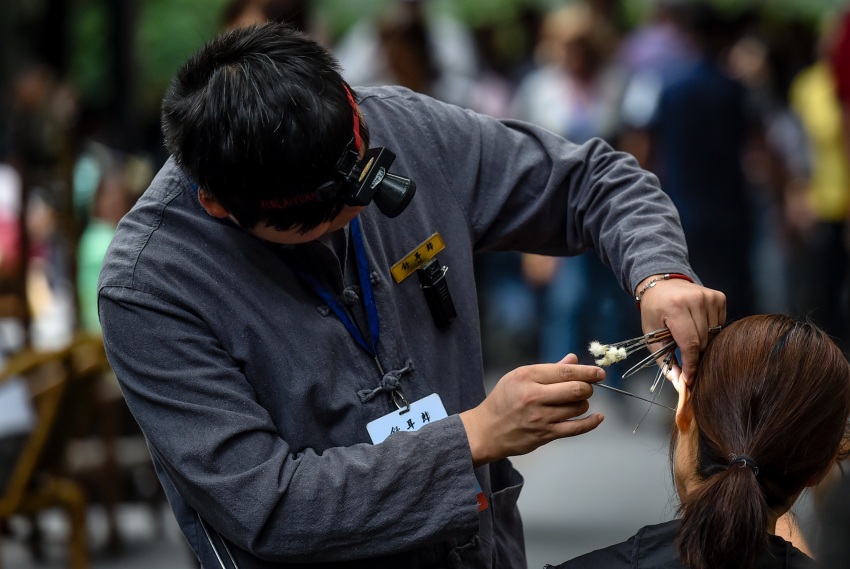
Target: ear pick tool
x=607, y=354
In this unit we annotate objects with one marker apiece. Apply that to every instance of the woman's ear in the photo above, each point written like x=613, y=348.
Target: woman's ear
x=211, y=205
x=684, y=409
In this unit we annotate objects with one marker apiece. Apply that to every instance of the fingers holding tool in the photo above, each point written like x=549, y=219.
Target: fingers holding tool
x=531, y=406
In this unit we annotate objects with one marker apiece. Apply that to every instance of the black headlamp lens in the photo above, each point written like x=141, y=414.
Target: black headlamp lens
x=369, y=178
x=394, y=194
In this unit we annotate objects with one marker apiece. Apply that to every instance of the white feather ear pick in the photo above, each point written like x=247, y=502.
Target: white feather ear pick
x=608, y=354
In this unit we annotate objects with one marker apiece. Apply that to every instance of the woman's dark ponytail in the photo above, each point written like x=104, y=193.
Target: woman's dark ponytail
x=728, y=513
x=770, y=403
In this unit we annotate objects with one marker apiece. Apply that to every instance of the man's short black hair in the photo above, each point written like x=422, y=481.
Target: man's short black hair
x=260, y=113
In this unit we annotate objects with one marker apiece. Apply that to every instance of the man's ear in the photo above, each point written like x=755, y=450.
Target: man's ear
x=684, y=409
x=211, y=205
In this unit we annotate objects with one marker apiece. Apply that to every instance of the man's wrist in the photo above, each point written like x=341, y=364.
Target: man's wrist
x=652, y=280
x=477, y=439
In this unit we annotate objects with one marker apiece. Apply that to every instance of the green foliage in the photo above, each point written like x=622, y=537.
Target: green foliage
x=339, y=15
x=169, y=32
x=486, y=12
x=90, y=40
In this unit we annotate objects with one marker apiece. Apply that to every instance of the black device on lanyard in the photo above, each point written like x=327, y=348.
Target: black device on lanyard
x=432, y=279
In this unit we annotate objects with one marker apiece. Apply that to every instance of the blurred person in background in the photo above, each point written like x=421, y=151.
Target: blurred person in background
x=268, y=348
x=650, y=58
x=297, y=13
x=696, y=142
x=494, y=85
x=765, y=418
x=35, y=140
x=839, y=61
x=774, y=163
x=112, y=199
x=818, y=208
x=43, y=113
x=575, y=93
x=411, y=59
x=11, y=259
x=50, y=290
x=446, y=42
x=834, y=500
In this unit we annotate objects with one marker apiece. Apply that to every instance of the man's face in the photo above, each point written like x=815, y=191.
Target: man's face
x=294, y=237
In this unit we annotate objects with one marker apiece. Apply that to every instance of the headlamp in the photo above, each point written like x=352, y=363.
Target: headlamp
x=368, y=178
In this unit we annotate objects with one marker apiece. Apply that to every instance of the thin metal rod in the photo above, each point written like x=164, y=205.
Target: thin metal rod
x=633, y=395
x=650, y=359
x=635, y=344
x=653, y=337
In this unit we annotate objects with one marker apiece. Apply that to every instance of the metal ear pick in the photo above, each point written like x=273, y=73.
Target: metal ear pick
x=608, y=354
x=609, y=388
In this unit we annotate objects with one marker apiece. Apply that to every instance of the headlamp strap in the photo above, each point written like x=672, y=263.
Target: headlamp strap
x=358, y=141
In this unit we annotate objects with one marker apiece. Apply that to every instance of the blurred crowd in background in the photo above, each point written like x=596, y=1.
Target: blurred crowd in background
x=740, y=110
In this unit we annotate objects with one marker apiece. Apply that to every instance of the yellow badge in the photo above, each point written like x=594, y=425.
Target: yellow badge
x=425, y=251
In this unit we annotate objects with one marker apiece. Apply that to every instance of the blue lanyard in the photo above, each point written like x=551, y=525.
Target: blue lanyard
x=365, y=288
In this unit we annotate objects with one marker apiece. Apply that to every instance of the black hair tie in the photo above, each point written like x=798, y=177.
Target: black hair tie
x=744, y=461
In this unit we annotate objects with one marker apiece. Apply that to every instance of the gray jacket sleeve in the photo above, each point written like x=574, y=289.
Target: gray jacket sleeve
x=220, y=450
x=524, y=188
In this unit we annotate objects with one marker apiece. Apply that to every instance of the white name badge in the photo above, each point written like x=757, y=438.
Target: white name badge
x=426, y=410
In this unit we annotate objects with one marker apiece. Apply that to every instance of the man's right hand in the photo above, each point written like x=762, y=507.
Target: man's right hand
x=531, y=406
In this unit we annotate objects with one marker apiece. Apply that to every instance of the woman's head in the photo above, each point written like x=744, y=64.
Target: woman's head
x=771, y=389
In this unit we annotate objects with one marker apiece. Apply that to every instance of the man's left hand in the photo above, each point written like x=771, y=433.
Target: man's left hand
x=688, y=310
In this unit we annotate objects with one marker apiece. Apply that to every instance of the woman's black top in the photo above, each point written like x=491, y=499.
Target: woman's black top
x=653, y=547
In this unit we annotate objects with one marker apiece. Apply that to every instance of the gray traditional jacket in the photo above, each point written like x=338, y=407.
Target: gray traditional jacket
x=255, y=398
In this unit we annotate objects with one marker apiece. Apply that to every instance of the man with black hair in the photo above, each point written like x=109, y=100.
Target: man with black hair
x=305, y=402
